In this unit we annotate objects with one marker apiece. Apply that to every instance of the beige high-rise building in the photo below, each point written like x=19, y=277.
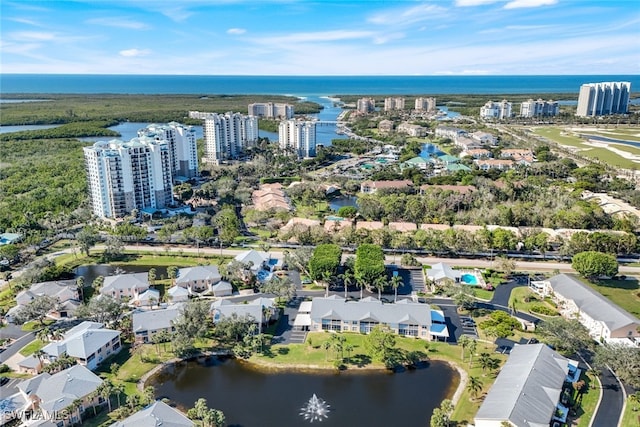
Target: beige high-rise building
x=425, y=104
x=391, y=104
x=366, y=105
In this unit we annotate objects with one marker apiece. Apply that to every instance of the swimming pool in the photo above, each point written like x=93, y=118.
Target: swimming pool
x=263, y=275
x=469, y=279
x=334, y=218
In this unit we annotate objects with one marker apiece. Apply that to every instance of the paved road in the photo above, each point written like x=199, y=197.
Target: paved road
x=16, y=345
x=610, y=409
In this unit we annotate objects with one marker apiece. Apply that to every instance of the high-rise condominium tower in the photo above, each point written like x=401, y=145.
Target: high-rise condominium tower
x=226, y=135
x=182, y=146
x=299, y=136
x=599, y=99
x=124, y=176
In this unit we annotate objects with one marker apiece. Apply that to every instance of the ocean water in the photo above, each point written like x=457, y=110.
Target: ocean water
x=299, y=85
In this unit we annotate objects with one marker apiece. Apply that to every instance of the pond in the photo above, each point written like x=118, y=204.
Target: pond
x=336, y=203
x=253, y=398
x=430, y=150
x=90, y=272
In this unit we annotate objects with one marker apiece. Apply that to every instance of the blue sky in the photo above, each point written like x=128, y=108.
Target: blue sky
x=333, y=37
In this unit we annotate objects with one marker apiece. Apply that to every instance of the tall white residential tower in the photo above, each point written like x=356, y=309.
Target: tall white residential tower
x=599, y=99
x=226, y=135
x=299, y=136
x=182, y=146
x=496, y=110
x=124, y=176
x=538, y=108
x=270, y=110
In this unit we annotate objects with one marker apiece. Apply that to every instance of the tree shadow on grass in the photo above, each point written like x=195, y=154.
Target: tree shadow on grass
x=360, y=360
x=630, y=284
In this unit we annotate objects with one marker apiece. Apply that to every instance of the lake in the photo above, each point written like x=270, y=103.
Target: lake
x=90, y=272
x=253, y=398
x=336, y=203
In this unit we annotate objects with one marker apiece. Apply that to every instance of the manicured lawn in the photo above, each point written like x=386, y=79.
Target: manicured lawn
x=625, y=293
x=483, y=294
x=34, y=325
x=520, y=294
x=32, y=347
x=631, y=418
x=141, y=361
x=315, y=355
x=589, y=399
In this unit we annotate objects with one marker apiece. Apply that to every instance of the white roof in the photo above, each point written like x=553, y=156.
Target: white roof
x=156, y=415
x=125, y=281
x=404, y=311
x=152, y=320
x=176, y=291
x=207, y=273
x=528, y=387
x=594, y=304
x=442, y=271
x=253, y=308
x=302, y=319
x=305, y=307
x=59, y=390
x=149, y=295
x=257, y=258
x=82, y=340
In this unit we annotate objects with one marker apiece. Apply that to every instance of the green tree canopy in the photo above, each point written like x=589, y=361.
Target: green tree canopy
x=594, y=264
x=326, y=259
x=369, y=263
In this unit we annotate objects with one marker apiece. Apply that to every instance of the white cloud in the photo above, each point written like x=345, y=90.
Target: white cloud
x=236, y=31
x=319, y=36
x=518, y=4
x=468, y=3
x=32, y=36
x=134, y=52
x=119, y=23
x=412, y=15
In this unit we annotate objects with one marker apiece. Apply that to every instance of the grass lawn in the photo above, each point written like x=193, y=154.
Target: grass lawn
x=140, y=362
x=34, y=325
x=521, y=293
x=483, y=294
x=32, y=347
x=625, y=293
x=312, y=353
x=589, y=399
x=631, y=418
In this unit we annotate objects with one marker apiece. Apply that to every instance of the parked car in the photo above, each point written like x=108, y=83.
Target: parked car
x=4, y=380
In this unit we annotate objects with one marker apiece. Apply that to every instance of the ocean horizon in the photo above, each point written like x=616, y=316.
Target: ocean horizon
x=299, y=85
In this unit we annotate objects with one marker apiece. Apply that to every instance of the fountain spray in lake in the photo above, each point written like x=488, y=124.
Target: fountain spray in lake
x=316, y=409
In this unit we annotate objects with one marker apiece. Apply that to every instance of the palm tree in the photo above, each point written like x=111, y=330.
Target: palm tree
x=360, y=283
x=347, y=280
x=396, y=282
x=152, y=275
x=105, y=390
x=348, y=348
x=118, y=389
x=80, y=286
x=474, y=386
x=485, y=361
x=149, y=395
x=326, y=345
x=463, y=341
x=473, y=344
x=326, y=278
x=75, y=407
x=380, y=283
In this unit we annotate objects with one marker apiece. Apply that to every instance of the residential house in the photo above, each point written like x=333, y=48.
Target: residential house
x=369, y=225
x=441, y=272
x=605, y=321
x=89, y=343
x=64, y=291
x=261, y=310
x=447, y=159
x=528, y=389
x=436, y=227
x=270, y=196
x=177, y=294
x=500, y=164
x=145, y=324
x=385, y=126
x=148, y=298
x=412, y=130
x=125, y=286
x=199, y=280
x=417, y=162
x=296, y=222
x=484, y=138
x=514, y=153
x=336, y=225
x=466, y=143
x=449, y=132
x=259, y=260
x=156, y=415
x=404, y=318
x=370, y=187
x=50, y=395
x=477, y=153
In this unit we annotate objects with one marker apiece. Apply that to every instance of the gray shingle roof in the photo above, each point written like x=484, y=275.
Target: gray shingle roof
x=404, y=311
x=82, y=340
x=527, y=390
x=594, y=304
x=226, y=308
x=153, y=320
x=156, y=415
x=209, y=273
x=441, y=271
x=125, y=281
x=59, y=390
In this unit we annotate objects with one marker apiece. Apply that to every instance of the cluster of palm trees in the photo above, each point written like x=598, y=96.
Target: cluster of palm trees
x=338, y=343
x=104, y=392
x=349, y=279
x=485, y=361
